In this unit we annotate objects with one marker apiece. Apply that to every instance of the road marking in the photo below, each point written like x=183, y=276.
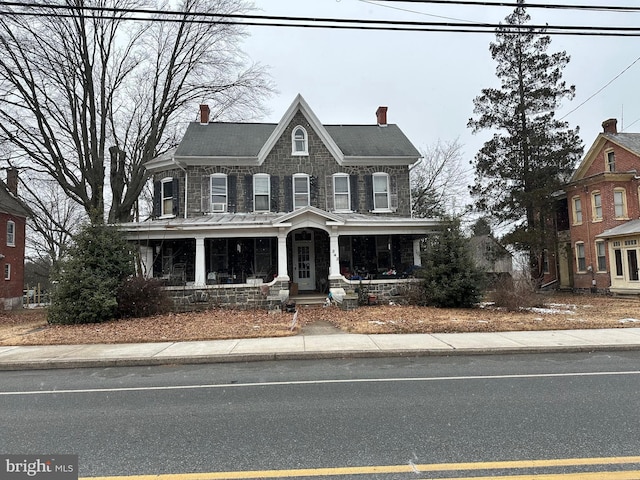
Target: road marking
x=412, y=468
x=318, y=382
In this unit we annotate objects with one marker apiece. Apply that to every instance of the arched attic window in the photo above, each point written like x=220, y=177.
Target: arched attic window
x=299, y=141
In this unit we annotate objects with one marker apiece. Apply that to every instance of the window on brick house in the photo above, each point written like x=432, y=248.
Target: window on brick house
x=577, y=211
x=620, y=203
x=11, y=233
x=601, y=256
x=611, y=161
x=7, y=271
x=581, y=260
x=596, y=203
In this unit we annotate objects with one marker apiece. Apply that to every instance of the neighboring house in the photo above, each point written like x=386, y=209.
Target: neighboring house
x=491, y=256
x=604, y=210
x=253, y=212
x=13, y=217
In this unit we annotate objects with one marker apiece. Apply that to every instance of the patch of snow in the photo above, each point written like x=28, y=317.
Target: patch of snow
x=377, y=322
x=550, y=311
x=629, y=320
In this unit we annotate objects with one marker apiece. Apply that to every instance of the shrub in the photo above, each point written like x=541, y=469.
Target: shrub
x=87, y=280
x=142, y=297
x=515, y=294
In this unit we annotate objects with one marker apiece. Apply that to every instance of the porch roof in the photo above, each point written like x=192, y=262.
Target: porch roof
x=631, y=227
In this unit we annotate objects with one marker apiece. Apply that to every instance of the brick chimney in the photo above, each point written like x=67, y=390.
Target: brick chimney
x=610, y=126
x=381, y=115
x=12, y=180
x=204, y=114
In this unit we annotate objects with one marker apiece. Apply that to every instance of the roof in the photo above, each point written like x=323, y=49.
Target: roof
x=629, y=228
x=9, y=203
x=250, y=143
x=628, y=141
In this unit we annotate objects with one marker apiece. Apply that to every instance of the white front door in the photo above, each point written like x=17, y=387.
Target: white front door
x=304, y=272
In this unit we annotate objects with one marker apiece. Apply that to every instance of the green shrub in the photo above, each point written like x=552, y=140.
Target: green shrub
x=87, y=279
x=142, y=297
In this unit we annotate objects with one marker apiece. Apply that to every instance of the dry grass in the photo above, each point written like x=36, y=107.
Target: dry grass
x=562, y=312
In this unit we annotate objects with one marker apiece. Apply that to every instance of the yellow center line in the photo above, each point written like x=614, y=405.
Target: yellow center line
x=417, y=468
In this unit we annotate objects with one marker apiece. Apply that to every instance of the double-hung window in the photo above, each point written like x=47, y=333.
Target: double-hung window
x=380, y=191
x=596, y=201
x=620, y=203
x=7, y=271
x=577, y=211
x=11, y=233
x=601, y=256
x=580, y=257
x=341, y=192
x=611, y=161
x=300, y=190
x=261, y=192
x=167, y=194
x=218, y=192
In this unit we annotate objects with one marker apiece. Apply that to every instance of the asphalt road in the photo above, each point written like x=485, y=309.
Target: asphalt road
x=289, y=415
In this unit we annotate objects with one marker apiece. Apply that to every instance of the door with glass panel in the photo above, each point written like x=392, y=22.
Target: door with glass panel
x=304, y=260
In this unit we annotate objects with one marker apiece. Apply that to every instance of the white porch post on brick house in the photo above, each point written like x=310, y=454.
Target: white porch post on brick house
x=334, y=254
x=282, y=255
x=417, y=257
x=201, y=277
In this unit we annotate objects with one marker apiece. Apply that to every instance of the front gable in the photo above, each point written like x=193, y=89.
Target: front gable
x=625, y=148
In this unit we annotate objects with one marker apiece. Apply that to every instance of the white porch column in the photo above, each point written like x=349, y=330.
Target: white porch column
x=417, y=258
x=282, y=255
x=201, y=276
x=334, y=254
x=146, y=260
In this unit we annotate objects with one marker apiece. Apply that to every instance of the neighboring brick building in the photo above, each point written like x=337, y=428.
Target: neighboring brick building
x=13, y=218
x=295, y=204
x=603, y=203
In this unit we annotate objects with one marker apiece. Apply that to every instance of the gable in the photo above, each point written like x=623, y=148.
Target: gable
x=626, y=147
x=9, y=204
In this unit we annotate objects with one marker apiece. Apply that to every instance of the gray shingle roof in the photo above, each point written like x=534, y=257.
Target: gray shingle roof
x=246, y=140
x=632, y=227
x=631, y=141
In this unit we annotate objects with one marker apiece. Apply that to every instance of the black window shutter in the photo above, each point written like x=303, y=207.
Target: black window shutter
x=329, y=193
x=176, y=197
x=288, y=193
x=313, y=191
x=248, y=193
x=157, y=198
x=368, y=192
x=205, y=194
x=232, y=193
x=353, y=184
x=275, y=193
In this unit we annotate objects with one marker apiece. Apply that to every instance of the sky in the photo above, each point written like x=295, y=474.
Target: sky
x=428, y=80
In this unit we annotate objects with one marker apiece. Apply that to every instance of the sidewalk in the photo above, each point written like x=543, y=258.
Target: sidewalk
x=314, y=346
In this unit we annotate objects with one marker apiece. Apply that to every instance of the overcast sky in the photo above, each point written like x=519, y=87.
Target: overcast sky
x=428, y=80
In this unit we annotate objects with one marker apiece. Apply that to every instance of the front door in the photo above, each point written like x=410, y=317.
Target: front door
x=304, y=272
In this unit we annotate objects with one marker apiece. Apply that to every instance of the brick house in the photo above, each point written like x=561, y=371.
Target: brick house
x=13, y=217
x=604, y=211
x=250, y=213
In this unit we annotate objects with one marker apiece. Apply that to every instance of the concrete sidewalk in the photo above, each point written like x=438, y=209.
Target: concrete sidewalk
x=306, y=346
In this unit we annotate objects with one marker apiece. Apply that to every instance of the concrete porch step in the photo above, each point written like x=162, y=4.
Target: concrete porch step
x=313, y=298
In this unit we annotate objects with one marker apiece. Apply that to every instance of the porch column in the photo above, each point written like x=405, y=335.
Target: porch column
x=334, y=254
x=201, y=276
x=417, y=258
x=282, y=255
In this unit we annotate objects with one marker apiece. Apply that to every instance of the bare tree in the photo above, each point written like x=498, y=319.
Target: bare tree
x=438, y=181
x=88, y=95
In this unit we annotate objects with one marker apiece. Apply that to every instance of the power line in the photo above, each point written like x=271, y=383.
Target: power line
x=614, y=8
x=311, y=22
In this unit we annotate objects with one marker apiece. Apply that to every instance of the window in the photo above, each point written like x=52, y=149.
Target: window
x=7, y=271
x=167, y=196
x=261, y=192
x=341, y=192
x=620, y=202
x=218, y=192
x=596, y=200
x=611, y=161
x=380, y=191
x=300, y=190
x=577, y=211
x=601, y=257
x=582, y=261
x=299, y=144
x=11, y=233
x=545, y=261
x=618, y=254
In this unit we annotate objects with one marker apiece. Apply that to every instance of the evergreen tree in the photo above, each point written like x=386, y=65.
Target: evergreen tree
x=532, y=154
x=451, y=278
x=86, y=281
